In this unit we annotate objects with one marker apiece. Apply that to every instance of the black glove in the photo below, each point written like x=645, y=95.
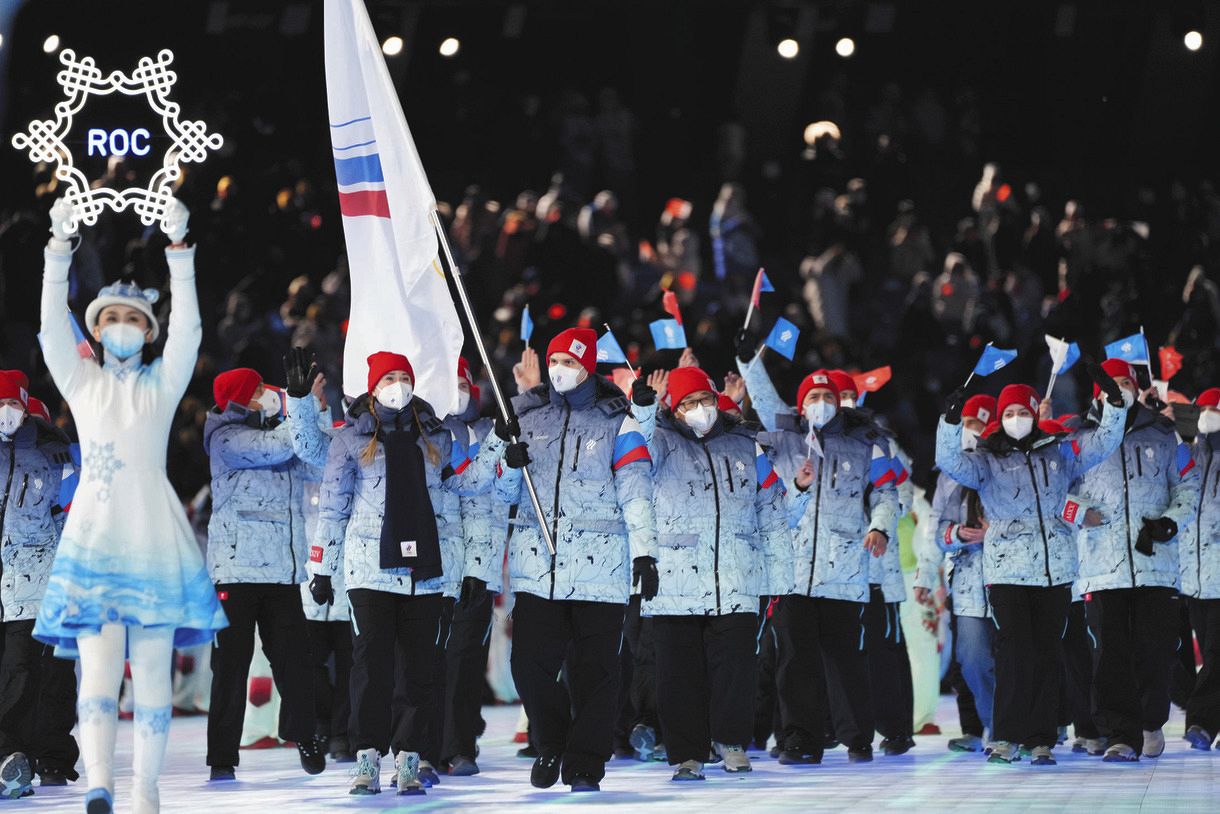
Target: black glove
x=1159, y=530
x=954, y=406
x=642, y=395
x=645, y=577
x=1154, y=403
x=1113, y=393
x=301, y=371
x=517, y=455
x=473, y=590
x=745, y=345
x=321, y=591
x=507, y=431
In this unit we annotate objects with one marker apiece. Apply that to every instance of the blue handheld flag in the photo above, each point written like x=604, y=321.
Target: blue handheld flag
x=782, y=338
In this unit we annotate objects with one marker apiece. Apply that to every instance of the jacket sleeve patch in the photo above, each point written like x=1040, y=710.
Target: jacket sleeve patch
x=629, y=445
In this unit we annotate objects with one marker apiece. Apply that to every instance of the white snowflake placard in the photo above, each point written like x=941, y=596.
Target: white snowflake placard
x=80, y=79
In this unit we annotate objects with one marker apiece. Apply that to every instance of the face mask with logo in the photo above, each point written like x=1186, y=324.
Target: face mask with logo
x=1018, y=426
x=10, y=419
x=819, y=413
x=1209, y=422
x=700, y=419
x=269, y=401
x=970, y=440
x=394, y=396
x=563, y=378
x=463, y=402
x=122, y=340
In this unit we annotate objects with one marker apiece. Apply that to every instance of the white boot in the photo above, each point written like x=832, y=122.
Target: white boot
x=407, y=766
x=1154, y=743
x=366, y=774
x=736, y=760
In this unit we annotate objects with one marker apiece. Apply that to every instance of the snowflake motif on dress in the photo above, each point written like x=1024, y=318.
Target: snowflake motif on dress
x=100, y=463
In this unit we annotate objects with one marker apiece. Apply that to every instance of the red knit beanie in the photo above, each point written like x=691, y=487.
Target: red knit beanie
x=686, y=380
x=236, y=385
x=383, y=362
x=464, y=375
x=843, y=382
x=1115, y=368
x=37, y=408
x=980, y=407
x=19, y=376
x=12, y=386
x=817, y=380
x=579, y=343
x=1021, y=394
x=1209, y=397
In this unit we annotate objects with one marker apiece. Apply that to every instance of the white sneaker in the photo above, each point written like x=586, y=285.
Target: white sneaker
x=366, y=774
x=1154, y=743
x=407, y=779
x=1095, y=746
x=1121, y=753
x=735, y=758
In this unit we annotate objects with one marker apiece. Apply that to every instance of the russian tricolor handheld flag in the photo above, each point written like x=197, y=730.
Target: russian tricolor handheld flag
x=400, y=298
x=83, y=348
x=762, y=285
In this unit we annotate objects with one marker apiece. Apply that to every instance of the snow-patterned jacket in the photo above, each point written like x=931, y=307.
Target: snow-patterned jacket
x=353, y=502
x=593, y=475
x=722, y=530
x=965, y=572
x=484, y=518
x=852, y=493
x=1027, y=541
x=1199, y=547
x=886, y=570
x=31, y=465
x=257, y=530
x=1151, y=475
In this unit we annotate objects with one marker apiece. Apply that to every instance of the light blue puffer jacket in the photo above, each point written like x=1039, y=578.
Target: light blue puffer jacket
x=593, y=474
x=965, y=572
x=257, y=530
x=1151, y=475
x=31, y=466
x=353, y=503
x=852, y=494
x=1027, y=543
x=484, y=518
x=1199, y=548
x=722, y=531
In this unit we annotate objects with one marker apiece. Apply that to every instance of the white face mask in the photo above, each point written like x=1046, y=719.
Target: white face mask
x=463, y=402
x=1128, y=398
x=847, y=403
x=10, y=419
x=122, y=340
x=970, y=439
x=700, y=419
x=1018, y=426
x=563, y=378
x=1209, y=422
x=269, y=401
x=394, y=396
x=819, y=413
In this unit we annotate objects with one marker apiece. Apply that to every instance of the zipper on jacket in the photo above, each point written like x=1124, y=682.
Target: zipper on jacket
x=728, y=475
x=1046, y=475
x=1046, y=547
x=563, y=437
x=8, y=484
x=1122, y=454
x=834, y=473
x=711, y=468
x=576, y=457
x=1207, y=468
x=817, y=519
x=25, y=484
x=292, y=551
x=1139, y=465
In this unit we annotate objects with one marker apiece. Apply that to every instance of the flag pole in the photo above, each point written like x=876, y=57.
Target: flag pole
x=495, y=386
x=1147, y=355
x=630, y=369
x=755, y=293
x=976, y=364
x=1050, y=386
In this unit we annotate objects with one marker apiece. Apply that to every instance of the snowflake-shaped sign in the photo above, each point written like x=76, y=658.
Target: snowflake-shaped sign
x=80, y=79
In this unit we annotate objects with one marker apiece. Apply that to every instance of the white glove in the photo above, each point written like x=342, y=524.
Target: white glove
x=63, y=222
x=175, y=220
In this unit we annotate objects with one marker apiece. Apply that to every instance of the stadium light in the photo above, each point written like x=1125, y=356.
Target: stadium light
x=51, y=44
x=1193, y=40
x=788, y=48
x=845, y=47
x=392, y=46
x=449, y=46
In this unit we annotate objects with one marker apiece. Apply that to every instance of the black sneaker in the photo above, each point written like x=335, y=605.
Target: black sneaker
x=340, y=750
x=528, y=751
x=583, y=782
x=462, y=766
x=50, y=777
x=798, y=757
x=313, y=755
x=897, y=746
x=776, y=751
x=864, y=755
x=222, y=773
x=546, y=771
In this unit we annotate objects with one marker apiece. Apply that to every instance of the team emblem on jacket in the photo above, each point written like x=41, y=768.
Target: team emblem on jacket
x=577, y=348
x=592, y=442
x=1054, y=465
x=847, y=466
x=741, y=467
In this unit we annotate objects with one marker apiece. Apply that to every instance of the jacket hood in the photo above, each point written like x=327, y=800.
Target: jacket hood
x=360, y=415
x=602, y=393
x=232, y=414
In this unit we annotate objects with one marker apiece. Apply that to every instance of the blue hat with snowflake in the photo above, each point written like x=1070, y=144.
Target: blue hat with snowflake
x=129, y=294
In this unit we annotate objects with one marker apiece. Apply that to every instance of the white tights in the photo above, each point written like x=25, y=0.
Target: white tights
x=101, y=661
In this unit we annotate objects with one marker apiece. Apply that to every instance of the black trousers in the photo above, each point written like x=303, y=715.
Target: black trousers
x=1029, y=624
x=37, y=701
x=1182, y=671
x=465, y=671
x=1203, y=708
x=821, y=661
x=576, y=721
x=766, y=701
x=889, y=668
x=1135, y=635
x=331, y=697
x=706, y=677
x=432, y=716
x=1077, y=692
x=638, y=697
x=277, y=612
x=394, y=638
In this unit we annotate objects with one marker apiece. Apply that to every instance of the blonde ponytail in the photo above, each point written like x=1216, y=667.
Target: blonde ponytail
x=370, y=451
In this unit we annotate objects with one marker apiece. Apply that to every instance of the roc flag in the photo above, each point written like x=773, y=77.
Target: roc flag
x=83, y=348
x=993, y=359
x=668, y=334
x=762, y=285
x=1063, y=354
x=1171, y=362
x=782, y=338
x=1133, y=348
x=527, y=324
x=609, y=351
x=400, y=298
